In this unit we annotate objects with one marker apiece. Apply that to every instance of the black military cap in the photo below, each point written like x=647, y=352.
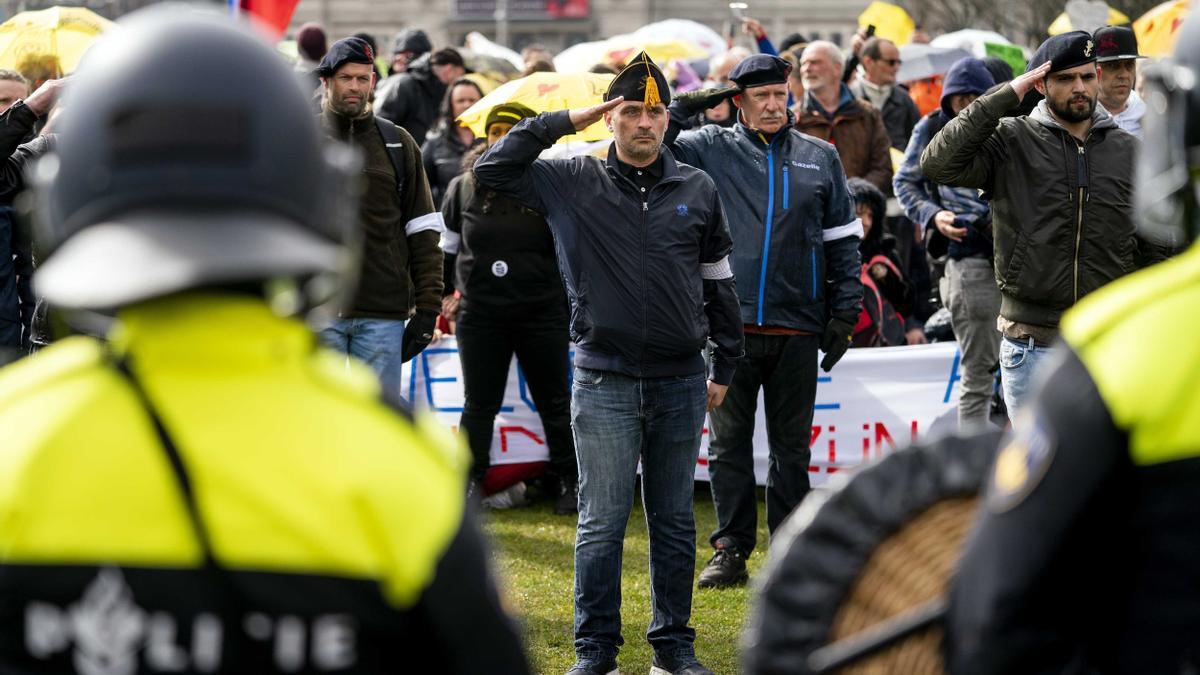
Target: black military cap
x=760, y=70
x=642, y=81
x=1064, y=51
x=507, y=112
x=1114, y=43
x=346, y=50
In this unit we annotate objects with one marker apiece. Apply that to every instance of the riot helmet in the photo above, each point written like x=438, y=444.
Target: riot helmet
x=187, y=156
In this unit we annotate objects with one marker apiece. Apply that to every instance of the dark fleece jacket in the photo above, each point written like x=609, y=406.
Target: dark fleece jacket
x=398, y=271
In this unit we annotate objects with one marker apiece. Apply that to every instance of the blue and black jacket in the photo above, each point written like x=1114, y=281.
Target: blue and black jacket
x=648, y=274
x=793, y=223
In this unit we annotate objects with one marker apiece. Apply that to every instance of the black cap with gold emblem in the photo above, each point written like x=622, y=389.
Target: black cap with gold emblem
x=1064, y=51
x=642, y=81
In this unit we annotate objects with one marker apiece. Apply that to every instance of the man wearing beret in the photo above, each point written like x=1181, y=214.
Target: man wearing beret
x=796, y=259
x=643, y=249
x=1116, y=58
x=1060, y=181
x=401, y=276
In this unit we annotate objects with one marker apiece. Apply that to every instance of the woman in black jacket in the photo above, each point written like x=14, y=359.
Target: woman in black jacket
x=507, y=299
x=447, y=142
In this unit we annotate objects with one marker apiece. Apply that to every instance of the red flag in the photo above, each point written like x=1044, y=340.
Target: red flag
x=272, y=15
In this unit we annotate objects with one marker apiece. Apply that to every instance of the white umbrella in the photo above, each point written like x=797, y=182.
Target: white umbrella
x=970, y=39
x=683, y=29
x=578, y=58
x=921, y=61
x=479, y=44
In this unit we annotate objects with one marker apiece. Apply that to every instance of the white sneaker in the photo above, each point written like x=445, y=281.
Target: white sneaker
x=509, y=498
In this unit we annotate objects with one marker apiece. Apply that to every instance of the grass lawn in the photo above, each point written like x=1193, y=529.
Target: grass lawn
x=534, y=559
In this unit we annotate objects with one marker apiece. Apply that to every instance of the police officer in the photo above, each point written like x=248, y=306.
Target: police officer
x=1086, y=557
x=209, y=490
x=797, y=264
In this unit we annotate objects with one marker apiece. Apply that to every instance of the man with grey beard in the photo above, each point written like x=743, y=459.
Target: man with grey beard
x=401, y=277
x=796, y=261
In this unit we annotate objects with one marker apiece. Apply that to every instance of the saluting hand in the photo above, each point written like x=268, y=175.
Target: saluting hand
x=583, y=118
x=1023, y=83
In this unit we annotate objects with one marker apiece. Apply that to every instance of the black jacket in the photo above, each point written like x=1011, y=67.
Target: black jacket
x=17, y=301
x=502, y=252
x=411, y=99
x=648, y=281
x=899, y=112
x=1062, y=210
x=442, y=153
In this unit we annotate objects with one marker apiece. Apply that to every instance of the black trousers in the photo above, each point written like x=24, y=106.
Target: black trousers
x=486, y=344
x=785, y=368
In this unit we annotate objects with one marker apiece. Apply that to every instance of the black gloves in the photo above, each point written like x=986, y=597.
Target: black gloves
x=700, y=100
x=836, y=338
x=418, y=333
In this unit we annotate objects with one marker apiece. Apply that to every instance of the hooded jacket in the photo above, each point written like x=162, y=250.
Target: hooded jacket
x=647, y=273
x=922, y=198
x=410, y=100
x=795, y=234
x=1062, y=209
x=858, y=133
x=442, y=153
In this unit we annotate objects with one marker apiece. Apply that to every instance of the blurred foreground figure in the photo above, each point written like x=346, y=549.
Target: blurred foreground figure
x=1086, y=556
x=209, y=490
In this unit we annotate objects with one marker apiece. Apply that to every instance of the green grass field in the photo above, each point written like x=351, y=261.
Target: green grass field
x=534, y=560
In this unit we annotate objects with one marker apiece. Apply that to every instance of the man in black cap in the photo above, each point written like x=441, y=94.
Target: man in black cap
x=1060, y=183
x=1116, y=56
x=410, y=44
x=401, y=276
x=796, y=259
x=644, y=251
x=411, y=99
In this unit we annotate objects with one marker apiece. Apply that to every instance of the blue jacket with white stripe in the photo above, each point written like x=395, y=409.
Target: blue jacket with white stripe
x=795, y=233
x=647, y=274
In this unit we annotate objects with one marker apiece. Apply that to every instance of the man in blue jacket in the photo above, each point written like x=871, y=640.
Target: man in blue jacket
x=644, y=250
x=796, y=256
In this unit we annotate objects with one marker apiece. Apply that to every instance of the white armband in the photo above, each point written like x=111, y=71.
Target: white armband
x=450, y=242
x=715, y=271
x=853, y=228
x=429, y=221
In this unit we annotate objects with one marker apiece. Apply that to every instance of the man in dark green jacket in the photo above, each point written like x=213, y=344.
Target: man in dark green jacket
x=1060, y=182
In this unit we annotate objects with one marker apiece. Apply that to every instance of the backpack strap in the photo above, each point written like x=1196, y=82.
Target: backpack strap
x=395, y=149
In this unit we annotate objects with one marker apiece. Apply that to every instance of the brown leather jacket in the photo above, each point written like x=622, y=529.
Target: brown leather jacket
x=857, y=131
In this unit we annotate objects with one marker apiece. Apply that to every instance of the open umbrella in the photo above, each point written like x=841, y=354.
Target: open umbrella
x=971, y=40
x=620, y=48
x=921, y=61
x=544, y=92
x=1157, y=29
x=891, y=21
x=1062, y=24
x=683, y=29
x=48, y=43
x=495, y=67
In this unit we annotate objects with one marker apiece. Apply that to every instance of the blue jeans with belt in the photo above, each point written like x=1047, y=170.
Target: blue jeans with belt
x=617, y=420
x=376, y=342
x=1021, y=361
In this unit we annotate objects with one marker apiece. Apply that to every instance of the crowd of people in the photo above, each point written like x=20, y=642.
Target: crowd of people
x=746, y=227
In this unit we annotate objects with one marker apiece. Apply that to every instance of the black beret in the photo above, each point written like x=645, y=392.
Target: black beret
x=760, y=70
x=1114, y=43
x=346, y=50
x=1064, y=51
x=641, y=80
x=507, y=112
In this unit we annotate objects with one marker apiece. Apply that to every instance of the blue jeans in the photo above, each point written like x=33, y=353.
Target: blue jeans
x=376, y=342
x=1020, y=365
x=616, y=420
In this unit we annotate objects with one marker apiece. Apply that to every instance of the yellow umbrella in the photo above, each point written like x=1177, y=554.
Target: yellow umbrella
x=48, y=43
x=544, y=92
x=1156, y=30
x=891, y=22
x=1062, y=24
x=624, y=47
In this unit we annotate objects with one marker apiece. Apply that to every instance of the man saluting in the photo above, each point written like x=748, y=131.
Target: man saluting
x=643, y=247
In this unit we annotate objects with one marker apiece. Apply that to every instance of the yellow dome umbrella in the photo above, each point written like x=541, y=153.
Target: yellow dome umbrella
x=1157, y=29
x=891, y=22
x=1062, y=24
x=49, y=43
x=544, y=92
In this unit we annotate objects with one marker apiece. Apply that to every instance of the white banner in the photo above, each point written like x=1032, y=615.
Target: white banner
x=874, y=400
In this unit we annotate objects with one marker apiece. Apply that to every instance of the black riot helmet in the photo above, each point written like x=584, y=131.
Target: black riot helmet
x=187, y=156
x=1168, y=176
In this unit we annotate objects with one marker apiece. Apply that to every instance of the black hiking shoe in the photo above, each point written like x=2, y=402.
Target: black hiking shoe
x=726, y=568
x=568, y=499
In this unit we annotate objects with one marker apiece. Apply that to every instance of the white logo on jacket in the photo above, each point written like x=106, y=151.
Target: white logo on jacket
x=499, y=268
